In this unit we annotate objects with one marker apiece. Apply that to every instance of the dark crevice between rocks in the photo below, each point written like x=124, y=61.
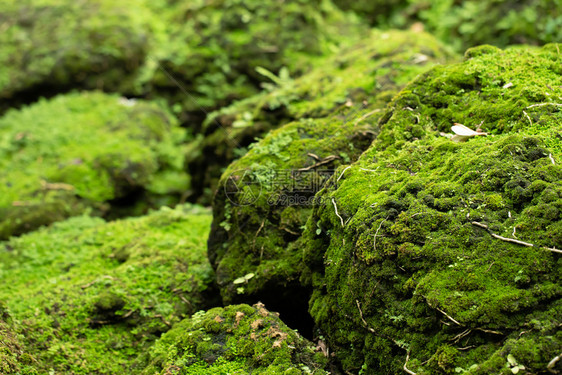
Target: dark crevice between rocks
x=291, y=302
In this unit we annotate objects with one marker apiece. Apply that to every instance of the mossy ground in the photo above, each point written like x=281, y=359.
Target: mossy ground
x=237, y=339
x=408, y=271
x=81, y=151
x=92, y=296
x=365, y=75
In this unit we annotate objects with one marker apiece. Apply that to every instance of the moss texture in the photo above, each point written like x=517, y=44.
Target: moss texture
x=14, y=360
x=212, y=49
x=365, y=75
x=231, y=340
x=64, y=156
x=48, y=46
x=406, y=272
x=92, y=296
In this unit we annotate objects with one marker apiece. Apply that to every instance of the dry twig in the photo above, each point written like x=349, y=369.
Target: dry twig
x=337, y=214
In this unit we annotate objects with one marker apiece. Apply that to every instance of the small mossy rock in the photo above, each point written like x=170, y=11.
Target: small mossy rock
x=63, y=156
x=214, y=48
x=49, y=46
x=234, y=339
x=264, y=200
x=14, y=360
x=413, y=276
x=82, y=310
x=365, y=75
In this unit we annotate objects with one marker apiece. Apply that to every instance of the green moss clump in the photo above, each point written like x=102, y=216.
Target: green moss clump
x=92, y=296
x=412, y=271
x=61, y=157
x=366, y=75
x=14, y=360
x=234, y=339
x=48, y=46
x=213, y=49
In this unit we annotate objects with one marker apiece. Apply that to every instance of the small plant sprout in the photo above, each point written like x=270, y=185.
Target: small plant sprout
x=464, y=133
x=513, y=365
x=244, y=279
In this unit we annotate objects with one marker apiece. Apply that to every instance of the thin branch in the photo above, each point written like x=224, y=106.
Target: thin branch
x=376, y=233
x=551, y=159
x=552, y=363
x=517, y=242
x=363, y=319
x=337, y=214
x=543, y=104
x=448, y=316
x=341, y=175
x=405, y=363
x=326, y=160
x=528, y=117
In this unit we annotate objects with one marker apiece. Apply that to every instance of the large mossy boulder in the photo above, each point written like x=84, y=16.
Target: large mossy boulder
x=264, y=199
x=92, y=296
x=237, y=339
x=49, y=46
x=213, y=49
x=77, y=152
x=366, y=75
x=442, y=257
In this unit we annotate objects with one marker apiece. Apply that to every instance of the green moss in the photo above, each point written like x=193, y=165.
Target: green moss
x=409, y=271
x=499, y=22
x=61, y=157
x=13, y=357
x=213, y=49
x=48, y=46
x=237, y=338
x=469, y=23
x=365, y=75
x=92, y=296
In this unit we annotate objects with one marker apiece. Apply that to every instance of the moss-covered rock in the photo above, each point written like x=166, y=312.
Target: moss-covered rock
x=92, y=296
x=210, y=55
x=14, y=360
x=366, y=75
x=469, y=23
x=235, y=339
x=79, y=151
x=49, y=46
x=418, y=267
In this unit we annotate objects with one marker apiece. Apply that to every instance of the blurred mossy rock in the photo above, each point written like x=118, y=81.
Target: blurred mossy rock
x=93, y=296
x=366, y=75
x=419, y=267
x=376, y=12
x=50, y=46
x=82, y=151
x=214, y=49
x=237, y=339
x=14, y=360
x=469, y=23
